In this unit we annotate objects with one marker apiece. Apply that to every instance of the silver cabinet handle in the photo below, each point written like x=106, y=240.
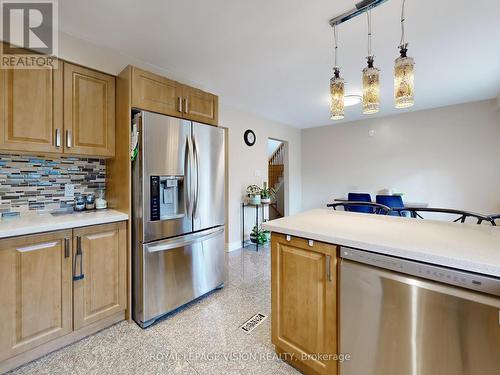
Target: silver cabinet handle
x=329, y=267
x=69, y=141
x=58, y=137
x=179, y=106
x=66, y=247
x=79, y=254
x=186, y=105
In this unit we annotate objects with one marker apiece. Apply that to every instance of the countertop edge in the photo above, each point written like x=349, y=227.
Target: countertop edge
x=110, y=216
x=470, y=266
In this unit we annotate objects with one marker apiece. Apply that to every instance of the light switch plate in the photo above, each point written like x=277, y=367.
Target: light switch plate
x=69, y=190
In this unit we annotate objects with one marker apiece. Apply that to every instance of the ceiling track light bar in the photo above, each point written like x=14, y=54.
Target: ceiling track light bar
x=361, y=7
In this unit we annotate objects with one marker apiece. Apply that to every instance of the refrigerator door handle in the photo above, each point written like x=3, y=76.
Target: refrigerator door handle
x=185, y=240
x=189, y=175
x=197, y=183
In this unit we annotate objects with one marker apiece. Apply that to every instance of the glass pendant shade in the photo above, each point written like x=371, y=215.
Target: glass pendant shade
x=337, y=97
x=404, y=81
x=371, y=88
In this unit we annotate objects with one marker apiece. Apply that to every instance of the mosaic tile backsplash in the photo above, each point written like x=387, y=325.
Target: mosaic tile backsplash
x=37, y=183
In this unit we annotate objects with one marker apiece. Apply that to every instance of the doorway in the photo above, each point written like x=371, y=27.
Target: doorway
x=277, y=176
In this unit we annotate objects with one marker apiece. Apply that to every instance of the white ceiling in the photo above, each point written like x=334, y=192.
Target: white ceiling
x=274, y=57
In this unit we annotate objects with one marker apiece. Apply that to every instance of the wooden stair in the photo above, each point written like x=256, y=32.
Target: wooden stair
x=275, y=172
x=276, y=166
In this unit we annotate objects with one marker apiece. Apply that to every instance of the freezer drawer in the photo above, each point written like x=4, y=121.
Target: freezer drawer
x=178, y=270
x=394, y=324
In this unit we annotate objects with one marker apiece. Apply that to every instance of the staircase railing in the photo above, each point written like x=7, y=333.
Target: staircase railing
x=276, y=165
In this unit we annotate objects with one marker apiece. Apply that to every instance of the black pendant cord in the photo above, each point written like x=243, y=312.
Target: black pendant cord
x=335, y=36
x=403, y=46
x=369, y=17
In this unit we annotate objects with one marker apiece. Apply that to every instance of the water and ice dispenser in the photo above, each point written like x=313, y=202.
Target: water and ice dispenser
x=167, y=197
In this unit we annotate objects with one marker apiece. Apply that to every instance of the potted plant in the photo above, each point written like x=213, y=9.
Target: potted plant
x=267, y=193
x=267, y=235
x=253, y=192
x=257, y=236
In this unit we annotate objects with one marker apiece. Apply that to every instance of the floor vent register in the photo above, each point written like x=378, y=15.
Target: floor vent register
x=253, y=322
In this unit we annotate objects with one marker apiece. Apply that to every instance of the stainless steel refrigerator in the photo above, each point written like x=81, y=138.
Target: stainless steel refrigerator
x=178, y=214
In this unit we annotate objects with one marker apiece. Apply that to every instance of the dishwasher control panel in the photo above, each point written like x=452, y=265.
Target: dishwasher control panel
x=468, y=280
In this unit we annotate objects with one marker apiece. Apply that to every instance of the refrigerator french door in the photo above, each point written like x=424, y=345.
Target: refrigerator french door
x=178, y=215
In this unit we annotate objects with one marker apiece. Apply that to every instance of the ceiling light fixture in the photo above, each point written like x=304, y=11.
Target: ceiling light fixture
x=404, y=75
x=336, y=87
x=351, y=100
x=371, y=78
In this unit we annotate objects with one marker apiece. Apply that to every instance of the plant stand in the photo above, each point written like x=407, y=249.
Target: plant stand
x=257, y=207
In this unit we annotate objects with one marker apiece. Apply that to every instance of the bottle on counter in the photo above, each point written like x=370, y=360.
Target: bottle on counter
x=90, y=202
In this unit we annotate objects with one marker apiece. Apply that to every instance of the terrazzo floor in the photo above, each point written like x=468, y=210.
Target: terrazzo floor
x=201, y=338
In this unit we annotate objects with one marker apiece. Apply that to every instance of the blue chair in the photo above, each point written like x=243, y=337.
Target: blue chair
x=360, y=197
x=392, y=201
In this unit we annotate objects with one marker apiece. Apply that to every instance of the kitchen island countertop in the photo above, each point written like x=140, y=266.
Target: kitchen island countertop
x=33, y=222
x=468, y=247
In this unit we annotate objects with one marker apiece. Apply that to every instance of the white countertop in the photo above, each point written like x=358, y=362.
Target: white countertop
x=34, y=222
x=467, y=247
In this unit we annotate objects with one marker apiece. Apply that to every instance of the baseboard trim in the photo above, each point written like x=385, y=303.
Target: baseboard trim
x=232, y=246
x=60, y=342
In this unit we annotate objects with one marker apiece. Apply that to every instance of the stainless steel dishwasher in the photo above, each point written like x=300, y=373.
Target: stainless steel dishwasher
x=400, y=317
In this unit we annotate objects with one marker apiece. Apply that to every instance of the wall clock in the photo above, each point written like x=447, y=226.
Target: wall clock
x=249, y=137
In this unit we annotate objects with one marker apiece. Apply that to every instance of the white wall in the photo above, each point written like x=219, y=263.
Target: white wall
x=243, y=160
x=447, y=157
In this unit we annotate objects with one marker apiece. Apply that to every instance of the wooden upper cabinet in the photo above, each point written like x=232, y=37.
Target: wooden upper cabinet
x=101, y=250
x=31, y=109
x=304, y=292
x=200, y=106
x=35, y=291
x=89, y=112
x=155, y=93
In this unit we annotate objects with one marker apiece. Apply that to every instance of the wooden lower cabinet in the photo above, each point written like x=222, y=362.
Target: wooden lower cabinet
x=35, y=291
x=45, y=304
x=304, y=303
x=101, y=292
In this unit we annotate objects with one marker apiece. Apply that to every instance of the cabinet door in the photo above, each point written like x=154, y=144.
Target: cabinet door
x=304, y=319
x=89, y=112
x=154, y=93
x=35, y=291
x=31, y=110
x=200, y=106
x=100, y=284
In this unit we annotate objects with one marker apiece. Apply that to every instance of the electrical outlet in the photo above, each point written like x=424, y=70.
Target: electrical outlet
x=257, y=173
x=69, y=190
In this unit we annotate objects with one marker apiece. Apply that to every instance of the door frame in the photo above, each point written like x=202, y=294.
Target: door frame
x=286, y=174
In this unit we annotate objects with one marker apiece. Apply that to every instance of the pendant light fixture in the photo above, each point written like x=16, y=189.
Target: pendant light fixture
x=371, y=78
x=404, y=76
x=336, y=87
